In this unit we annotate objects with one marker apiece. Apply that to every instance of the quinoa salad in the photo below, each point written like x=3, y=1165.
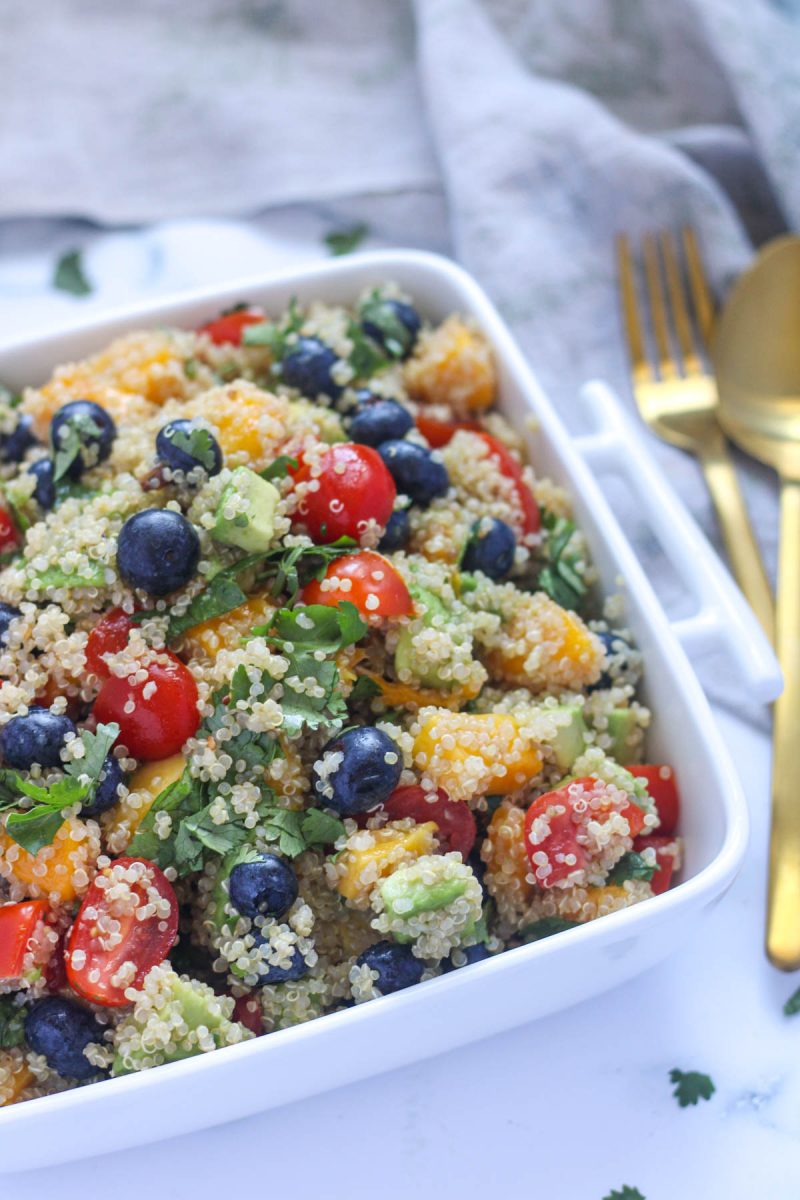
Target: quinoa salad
x=307, y=690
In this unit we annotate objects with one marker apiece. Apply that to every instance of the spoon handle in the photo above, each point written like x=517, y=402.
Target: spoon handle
x=737, y=532
x=783, y=913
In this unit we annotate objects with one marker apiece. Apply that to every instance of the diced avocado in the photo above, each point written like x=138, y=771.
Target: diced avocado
x=407, y=658
x=404, y=897
x=570, y=739
x=251, y=501
x=623, y=729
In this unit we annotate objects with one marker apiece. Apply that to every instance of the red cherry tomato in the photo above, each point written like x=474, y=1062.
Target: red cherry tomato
x=108, y=932
x=109, y=636
x=666, y=853
x=17, y=924
x=511, y=468
x=663, y=791
x=247, y=1011
x=353, y=487
x=564, y=853
x=227, y=330
x=367, y=580
x=438, y=433
x=9, y=537
x=162, y=718
x=457, y=829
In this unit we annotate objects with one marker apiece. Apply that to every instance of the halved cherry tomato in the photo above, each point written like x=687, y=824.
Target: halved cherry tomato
x=564, y=853
x=228, y=328
x=367, y=580
x=665, y=859
x=17, y=923
x=512, y=469
x=438, y=433
x=55, y=971
x=353, y=488
x=9, y=537
x=108, y=636
x=108, y=932
x=660, y=780
x=162, y=717
x=457, y=829
x=247, y=1011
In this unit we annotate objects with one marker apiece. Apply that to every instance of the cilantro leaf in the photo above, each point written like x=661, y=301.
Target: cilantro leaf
x=544, y=928
x=396, y=338
x=97, y=747
x=364, y=689
x=274, y=334
x=12, y=1023
x=222, y=595
x=196, y=441
x=366, y=358
x=792, y=1005
x=280, y=468
x=320, y=828
x=318, y=626
x=558, y=576
x=76, y=431
x=625, y=1193
x=345, y=241
x=631, y=866
x=691, y=1086
x=35, y=829
x=69, y=275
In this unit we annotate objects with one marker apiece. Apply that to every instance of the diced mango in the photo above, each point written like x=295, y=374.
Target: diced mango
x=220, y=633
x=63, y=870
x=373, y=854
x=147, y=782
x=452, y=365
x=15, y=1077
x=475, y=754
x=543, y=647
x=403, y=695
x=251, y=423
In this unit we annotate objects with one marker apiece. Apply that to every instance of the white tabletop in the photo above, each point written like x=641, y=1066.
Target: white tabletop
x=569, y=1107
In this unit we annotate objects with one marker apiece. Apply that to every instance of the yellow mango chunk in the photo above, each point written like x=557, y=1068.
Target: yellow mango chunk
x=61, y=871
x=250, y=423
x=452, y=365
x=543, y=647
x=475, y=754
x=147, y=782
x=220, y=633
x=372, y=854
x=15, y=1077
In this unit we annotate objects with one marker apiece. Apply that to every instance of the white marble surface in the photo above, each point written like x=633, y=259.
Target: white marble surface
x=569, y=1107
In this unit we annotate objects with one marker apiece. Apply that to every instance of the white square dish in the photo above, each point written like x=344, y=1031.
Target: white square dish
x=521, y=984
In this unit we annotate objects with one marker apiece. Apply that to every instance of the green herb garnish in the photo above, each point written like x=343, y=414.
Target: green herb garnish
x=280, y=468
x=273, y=334
x=545, y=928
x=691, y=1086
x=559, y=576
x=73, y=435
x=69, y=275
x=345, y=241
x=792, y=1005
x=625, y=1193
x=366, y=358
x=12, y=1023
x=396, y=338
x=197, y=442
x=631, y=866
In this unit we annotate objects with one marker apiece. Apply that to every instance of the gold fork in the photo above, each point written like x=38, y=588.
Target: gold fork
x=677, y=395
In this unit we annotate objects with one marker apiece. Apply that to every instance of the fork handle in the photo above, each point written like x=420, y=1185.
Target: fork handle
x=737, y=532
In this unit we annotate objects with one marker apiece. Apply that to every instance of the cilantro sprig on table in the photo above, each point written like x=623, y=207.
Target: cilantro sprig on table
x=559, y=577
x=691, y=1086
x=792, y=1005
x=625, y=1193
x=345, y=241
x=70, y=276
x=36, y=826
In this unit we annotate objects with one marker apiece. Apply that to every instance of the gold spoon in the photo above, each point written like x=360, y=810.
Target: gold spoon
x=757, y=361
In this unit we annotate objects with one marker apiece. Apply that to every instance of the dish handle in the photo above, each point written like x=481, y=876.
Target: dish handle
x=722, y=613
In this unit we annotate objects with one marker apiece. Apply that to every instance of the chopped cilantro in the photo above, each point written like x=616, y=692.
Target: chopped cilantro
x=544, y=928
x=396, y=338
x=320, y=828
x=625, y=1193
x=631, y=866
x=691, y=1086
x=318, y=627
x=69, y=275
x=280, y=468
x=290, y=569
x=196, y=441
x=273, y=334
x=365, y=358
x=559, y=577
x=345, y=241
x=364, y=689
x=792, y=1005
x=222, y=595
x=72, y=435
x=12, y=1023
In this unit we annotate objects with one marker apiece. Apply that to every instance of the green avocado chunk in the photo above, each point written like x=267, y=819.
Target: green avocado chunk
x=621, y=729
x=570, y=740
x=406, y=898
x=252, y=526
x=406, y=655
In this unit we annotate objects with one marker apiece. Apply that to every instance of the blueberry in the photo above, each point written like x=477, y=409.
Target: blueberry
x=106, y=793
x=393, y=324
x=44, y=493
x=14, y=445
x=91, y=425
x=308, y=367
x=396, y=966
x=490, y=548
x=616, y=649
x=297, y=968
x=362, y=778
x=158, y=551
x=38, y=737
x=184, y=445
x=472, y=954
x=395, y=535
x=379, y=422
x=60, y=1030
x=415, y=471
x=267, y=887
x=7, y=615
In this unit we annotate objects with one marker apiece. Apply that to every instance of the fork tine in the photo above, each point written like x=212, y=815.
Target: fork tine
x=640, y=365
x=677, y=299
x=658, y=310
x=698, y=286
